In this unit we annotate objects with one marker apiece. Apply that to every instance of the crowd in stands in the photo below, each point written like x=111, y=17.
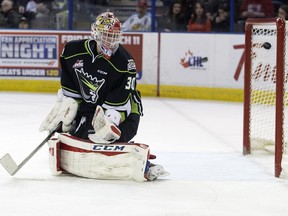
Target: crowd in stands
x=214, y=15
x=25, y=14
x=28, y=14
x=174, y=16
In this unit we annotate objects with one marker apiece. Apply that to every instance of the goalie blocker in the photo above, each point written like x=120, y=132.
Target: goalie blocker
x=124, y=161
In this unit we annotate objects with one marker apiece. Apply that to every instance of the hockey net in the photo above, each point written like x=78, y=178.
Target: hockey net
x=265, y=87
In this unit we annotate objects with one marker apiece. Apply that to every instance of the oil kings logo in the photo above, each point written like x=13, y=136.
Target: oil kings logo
x=89, y=86
x=192, y=61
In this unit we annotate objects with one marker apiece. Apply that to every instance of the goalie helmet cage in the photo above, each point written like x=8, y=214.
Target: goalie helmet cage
x=265, y=97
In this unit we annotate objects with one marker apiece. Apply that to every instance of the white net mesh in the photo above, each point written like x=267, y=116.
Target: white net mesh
x=263, y=88
x=284, y=162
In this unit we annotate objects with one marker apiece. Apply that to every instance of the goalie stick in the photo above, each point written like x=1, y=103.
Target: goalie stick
x=9, y=164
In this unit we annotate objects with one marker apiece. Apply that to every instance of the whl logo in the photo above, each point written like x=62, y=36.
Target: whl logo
x=193, y=61
x=78, y=64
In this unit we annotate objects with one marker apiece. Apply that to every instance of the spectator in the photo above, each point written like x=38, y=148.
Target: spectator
x=199, y=21
x=174, y=20
x=31, y=9
x=237, y=5
x=20, y=6
x=42, y=17
x=27, y=9
x=277, y=4
x=1, y=19
x=31, y=6
x=256, y=9
x=188, y=9
x=221, y=22
x=23, y=24
x=283, y=12
x=253, y=9
x=11, y=16
x=140, y=21
x=211, y=6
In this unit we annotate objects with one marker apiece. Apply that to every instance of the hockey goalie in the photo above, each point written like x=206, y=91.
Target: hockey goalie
x=99, y=109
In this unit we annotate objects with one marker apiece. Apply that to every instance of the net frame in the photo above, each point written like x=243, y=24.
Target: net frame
x=279, y=88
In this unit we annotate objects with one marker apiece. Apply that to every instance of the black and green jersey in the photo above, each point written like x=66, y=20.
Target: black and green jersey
x=94, y=80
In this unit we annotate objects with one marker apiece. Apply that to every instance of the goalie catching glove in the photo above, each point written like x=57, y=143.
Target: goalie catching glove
x=105, y=126
x=63, y=111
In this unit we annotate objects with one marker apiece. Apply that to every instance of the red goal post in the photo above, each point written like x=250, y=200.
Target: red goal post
x=266, y=90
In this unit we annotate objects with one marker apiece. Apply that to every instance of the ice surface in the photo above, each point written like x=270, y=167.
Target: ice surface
x=198, y=142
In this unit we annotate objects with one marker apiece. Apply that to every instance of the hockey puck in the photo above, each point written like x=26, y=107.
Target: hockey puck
x=267, y=45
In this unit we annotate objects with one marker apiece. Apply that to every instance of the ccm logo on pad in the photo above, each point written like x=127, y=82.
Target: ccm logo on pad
x=108, y=148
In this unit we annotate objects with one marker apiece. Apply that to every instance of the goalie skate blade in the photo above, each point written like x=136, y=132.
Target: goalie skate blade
x=9, y=164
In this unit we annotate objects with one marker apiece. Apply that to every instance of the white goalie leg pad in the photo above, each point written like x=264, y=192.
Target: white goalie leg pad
x=105, y=130
x=45, y=126
x=102, y=161
x=54, y=156
x=63, y=111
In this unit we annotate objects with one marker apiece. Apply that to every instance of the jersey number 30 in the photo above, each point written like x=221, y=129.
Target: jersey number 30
x=130, y=83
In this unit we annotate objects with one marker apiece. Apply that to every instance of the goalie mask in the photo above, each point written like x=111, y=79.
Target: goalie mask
x=106, y=30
